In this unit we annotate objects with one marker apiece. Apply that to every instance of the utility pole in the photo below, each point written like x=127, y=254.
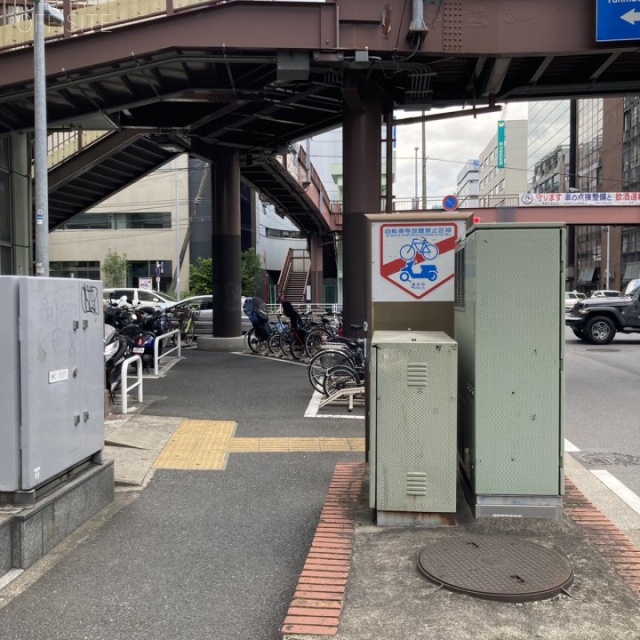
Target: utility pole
x=424, y=165
x=415, y=196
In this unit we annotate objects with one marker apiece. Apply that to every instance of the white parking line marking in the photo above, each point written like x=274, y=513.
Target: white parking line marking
x=314, y=406
x=571, y=448
x=622, y=491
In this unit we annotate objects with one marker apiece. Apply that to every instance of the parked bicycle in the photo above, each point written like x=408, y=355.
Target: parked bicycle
x=339, y=352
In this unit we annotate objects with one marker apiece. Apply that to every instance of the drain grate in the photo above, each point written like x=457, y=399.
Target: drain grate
x=496, y=568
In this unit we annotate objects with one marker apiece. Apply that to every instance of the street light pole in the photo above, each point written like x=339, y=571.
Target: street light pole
x=424, y=165
x=40, y=143
x=607, y=230
x=41, y=10
x=416, y=180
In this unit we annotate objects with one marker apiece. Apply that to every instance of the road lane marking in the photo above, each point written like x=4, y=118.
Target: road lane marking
x=622, y=491
x=571, y=448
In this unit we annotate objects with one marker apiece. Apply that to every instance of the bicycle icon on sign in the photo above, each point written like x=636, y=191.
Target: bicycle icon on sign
x=422, y=246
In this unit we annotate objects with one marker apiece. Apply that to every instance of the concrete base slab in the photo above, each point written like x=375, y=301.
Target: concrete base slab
x=35, y=530
x=213, y=343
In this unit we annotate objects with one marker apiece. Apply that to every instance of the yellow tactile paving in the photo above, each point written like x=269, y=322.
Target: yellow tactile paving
x=293, y=445
x=205, y=445
x=198, y=444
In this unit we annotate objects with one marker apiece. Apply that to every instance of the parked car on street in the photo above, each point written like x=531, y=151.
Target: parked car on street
x=204, y=316
x=141, y=299
x=597, y=320
x=571, y=298
x=606, y=293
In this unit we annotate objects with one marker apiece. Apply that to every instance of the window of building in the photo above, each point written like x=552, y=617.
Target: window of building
x=283, y=233
x=146, y=220
x=79, y=269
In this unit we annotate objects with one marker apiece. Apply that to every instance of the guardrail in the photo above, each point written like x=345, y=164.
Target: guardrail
x=156, y=348
x=124, y=378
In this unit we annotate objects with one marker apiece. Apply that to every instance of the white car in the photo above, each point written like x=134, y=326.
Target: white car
x=606, y=293
x=142, y=299
x=204, y=317
x=571, y=298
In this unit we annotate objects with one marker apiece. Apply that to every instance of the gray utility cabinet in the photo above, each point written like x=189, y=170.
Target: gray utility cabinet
x=413, y=405
x=509, y=325
x=52, y=391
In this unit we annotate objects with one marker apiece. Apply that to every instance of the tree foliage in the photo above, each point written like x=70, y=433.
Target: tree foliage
x=201, y=275
x=252, y=274
x=114, y=269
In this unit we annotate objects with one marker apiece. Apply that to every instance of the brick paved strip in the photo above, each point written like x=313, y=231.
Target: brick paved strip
x=307, y=630
x=614, y=545
x=317, y=602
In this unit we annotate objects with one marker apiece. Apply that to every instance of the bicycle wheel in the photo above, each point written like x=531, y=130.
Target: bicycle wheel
x=338, y=378
x=324, y=360
x=315, y=339
x=274, y=343
x=254, y=343
x=296, y=346
x=188, y=332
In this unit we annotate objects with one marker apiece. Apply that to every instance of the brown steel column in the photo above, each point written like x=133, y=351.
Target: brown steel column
x=225, y=245
x=316, y=279
x=361, y=142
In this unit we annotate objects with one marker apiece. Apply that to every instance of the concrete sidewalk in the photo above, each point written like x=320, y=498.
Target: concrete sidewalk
x=378, y=593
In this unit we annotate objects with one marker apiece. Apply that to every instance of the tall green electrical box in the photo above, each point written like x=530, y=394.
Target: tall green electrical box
x=509, y=326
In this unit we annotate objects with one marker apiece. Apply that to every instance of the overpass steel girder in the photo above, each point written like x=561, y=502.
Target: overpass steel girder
x=570, y=215
x=256, y=76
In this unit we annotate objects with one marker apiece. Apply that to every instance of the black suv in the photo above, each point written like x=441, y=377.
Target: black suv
x=596, y=320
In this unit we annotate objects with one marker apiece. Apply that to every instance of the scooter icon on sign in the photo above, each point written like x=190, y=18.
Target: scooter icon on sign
x=428, y=271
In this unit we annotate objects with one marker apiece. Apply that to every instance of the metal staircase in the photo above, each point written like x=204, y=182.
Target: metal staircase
x=294, y=276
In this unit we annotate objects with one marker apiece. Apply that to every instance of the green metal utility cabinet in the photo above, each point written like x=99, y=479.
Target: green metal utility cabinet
x=509, y=325
x=412, y=446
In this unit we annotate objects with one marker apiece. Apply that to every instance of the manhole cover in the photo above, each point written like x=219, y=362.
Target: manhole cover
x=496, y=568
x=604, y=458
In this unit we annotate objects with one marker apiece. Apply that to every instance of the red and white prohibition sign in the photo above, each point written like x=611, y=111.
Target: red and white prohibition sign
x=418, y=258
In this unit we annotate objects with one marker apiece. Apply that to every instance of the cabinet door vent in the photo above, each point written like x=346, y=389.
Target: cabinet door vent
x=416, y=483
x=417, y=374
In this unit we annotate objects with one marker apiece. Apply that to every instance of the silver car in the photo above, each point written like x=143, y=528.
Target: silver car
x=204, y=318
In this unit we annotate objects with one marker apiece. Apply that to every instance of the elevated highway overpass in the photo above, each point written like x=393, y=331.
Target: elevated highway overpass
x=237, y=82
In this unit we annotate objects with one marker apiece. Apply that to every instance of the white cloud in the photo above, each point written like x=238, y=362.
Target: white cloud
x=449, y=144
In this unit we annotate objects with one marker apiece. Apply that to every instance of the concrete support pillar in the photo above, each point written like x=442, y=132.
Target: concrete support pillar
x=225, y=245
x=21, y=198
x=317, y=268
x=361, y=149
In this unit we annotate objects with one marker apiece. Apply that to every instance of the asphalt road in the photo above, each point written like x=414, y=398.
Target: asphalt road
x=216, y=554
x=200, y=555
x=602, y=413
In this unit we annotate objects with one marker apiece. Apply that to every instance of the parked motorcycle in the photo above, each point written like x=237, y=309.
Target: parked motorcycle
x=116, y=351
x=139, y=328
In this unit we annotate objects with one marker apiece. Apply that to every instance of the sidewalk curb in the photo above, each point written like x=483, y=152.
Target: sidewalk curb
x=318, y=600
x=319, y=596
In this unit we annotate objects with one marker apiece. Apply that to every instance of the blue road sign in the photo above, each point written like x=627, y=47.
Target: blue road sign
x=617, y=20
x=450, y=203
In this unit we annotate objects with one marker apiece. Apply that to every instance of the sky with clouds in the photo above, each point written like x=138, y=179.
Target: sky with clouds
x=449, y=144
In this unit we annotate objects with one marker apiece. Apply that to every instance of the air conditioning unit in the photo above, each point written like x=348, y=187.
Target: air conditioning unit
x=413, y=428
